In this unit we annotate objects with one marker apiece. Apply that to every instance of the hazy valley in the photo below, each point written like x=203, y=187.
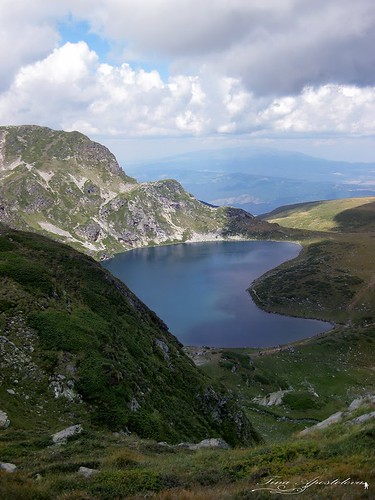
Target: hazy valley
x=260, y=180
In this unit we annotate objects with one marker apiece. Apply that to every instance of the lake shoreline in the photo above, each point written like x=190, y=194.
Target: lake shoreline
x=214, y=306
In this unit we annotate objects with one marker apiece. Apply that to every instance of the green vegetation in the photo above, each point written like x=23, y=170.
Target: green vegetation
x=71, y=327
x=333, y=277
x=78, y=347
x=340, y=215
x=133, y=468
x=322, y=376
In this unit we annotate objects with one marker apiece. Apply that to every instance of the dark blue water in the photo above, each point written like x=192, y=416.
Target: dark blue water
x=200, y=291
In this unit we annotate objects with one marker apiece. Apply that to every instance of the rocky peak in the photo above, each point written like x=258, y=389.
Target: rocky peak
x=36, y=145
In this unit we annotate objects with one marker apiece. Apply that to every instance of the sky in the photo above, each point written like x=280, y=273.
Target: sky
x=153, y=78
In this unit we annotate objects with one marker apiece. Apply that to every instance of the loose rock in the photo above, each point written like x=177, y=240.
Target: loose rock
x=274, y=398
x=206, y=443
x=62, y=436
x=87, y=472
x=7, y=467
x=4, y=420
x=354, y=405
x=332, y=419
x=363, y=418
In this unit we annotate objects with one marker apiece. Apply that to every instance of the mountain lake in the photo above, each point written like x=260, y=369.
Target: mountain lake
x=200, y=291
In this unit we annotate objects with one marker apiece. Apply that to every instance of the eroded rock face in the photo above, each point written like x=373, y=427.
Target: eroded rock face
x=227, y=415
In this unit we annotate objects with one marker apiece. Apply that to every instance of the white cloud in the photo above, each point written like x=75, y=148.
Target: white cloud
x=326, y=109
x=28, y=33
x=71, y=89
x=262, y=67
x=274, y=47
x=66, y=65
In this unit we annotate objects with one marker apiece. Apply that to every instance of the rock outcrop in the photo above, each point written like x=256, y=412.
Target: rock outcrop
x=341, y=416
x=86, y=472
x=206, y=443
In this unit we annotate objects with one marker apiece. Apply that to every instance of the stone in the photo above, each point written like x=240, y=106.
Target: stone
x=134, y=405
x=332, y=419
x=164, y=347
x=356, y=403
x=87, y=472
x=165, y=444
x=206, y=443
x=212, y=443
x=363, y=418
x=62, y=436
x=4, y=420
x=272, y=399
x=7, y=467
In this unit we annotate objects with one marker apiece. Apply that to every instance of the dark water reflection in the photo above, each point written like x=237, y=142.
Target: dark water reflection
x=200, y=291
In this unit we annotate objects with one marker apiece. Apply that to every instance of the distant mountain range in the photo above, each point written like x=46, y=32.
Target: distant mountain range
x=260, y=180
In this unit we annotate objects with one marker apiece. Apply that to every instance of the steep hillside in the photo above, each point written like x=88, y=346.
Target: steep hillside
x=65, y=185
x=78, y=347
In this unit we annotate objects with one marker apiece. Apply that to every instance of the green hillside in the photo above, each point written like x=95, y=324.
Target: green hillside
x=345, y=215
x=333, y=277
x=129, y=468
x=77, y=345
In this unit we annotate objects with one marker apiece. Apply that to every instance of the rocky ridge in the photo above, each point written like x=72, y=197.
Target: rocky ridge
x=66, y=186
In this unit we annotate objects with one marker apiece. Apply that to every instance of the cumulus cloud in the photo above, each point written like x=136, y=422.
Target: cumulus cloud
x=28, y=33
x=262, y=67
x=48, y=90
x=326, y=109
x=274, y=47
x=72, y=89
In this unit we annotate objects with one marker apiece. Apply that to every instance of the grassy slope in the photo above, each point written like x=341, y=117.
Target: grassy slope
x=339, y=215
x=133, y=468
x=64, y=318
x=332, y=279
